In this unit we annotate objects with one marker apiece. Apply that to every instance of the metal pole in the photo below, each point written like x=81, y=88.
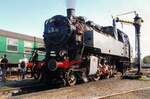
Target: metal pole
x=137, y=24
x=138, y=50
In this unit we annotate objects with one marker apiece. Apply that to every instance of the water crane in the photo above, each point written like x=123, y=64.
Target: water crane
x=137, y=24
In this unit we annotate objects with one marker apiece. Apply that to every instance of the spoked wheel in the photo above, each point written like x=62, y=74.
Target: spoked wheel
x=71, y=78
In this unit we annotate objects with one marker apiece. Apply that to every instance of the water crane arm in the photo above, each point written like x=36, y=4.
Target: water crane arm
x=124, y=21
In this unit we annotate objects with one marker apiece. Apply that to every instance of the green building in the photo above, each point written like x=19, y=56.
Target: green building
x=16, y=45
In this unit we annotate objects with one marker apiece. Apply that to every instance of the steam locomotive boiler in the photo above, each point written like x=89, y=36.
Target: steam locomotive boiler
x=79, y=49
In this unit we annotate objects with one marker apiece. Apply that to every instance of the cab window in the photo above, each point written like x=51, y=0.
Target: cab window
x=120, y=35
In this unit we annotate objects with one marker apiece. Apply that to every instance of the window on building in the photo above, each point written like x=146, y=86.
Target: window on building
x=12, y=44
x=28, y=46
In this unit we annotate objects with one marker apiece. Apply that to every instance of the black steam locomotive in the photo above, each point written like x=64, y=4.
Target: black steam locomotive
x=77, y=49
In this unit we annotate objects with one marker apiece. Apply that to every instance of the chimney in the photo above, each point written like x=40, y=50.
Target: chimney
x=70, y=12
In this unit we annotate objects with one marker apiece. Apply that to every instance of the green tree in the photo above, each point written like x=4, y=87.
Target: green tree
x=146, y=60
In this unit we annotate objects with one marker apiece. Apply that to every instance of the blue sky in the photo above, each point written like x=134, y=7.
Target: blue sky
x=28, y=16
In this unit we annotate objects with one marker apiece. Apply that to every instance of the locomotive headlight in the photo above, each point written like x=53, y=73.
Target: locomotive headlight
x=62, y=53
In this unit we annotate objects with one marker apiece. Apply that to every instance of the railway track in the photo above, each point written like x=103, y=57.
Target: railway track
x=28, y=88
x=71, y=92
x=122, y=93
x=33, y=87
x=13, y=91
x=44, y=91
x=23, y=89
